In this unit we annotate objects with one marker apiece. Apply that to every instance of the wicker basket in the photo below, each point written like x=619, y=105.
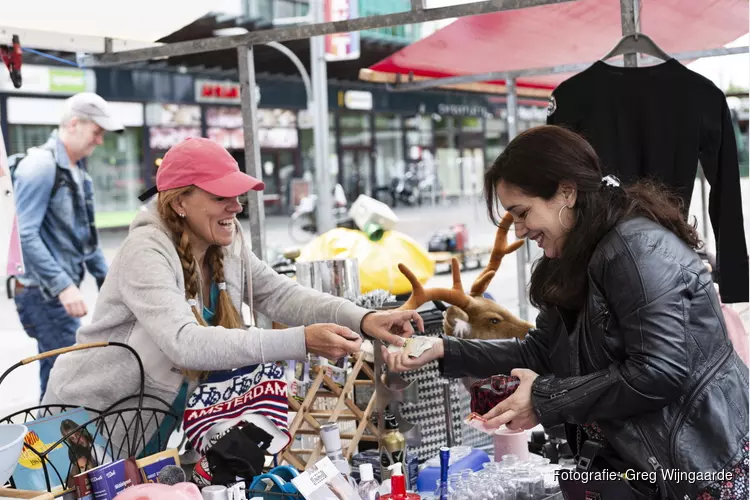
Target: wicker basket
x=132, y=421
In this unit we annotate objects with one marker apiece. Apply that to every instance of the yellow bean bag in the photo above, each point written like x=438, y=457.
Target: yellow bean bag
x=378, y=260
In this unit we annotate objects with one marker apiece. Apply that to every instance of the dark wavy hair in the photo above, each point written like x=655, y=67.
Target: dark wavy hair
x=537, y=161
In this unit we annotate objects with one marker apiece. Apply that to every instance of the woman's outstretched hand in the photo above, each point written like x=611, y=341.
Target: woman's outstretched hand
x=331, y=341
x=401, y=362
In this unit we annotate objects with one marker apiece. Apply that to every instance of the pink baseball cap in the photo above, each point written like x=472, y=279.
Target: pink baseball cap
x=201, y=162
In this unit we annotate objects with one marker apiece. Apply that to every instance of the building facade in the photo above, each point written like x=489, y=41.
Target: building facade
x=375, y=135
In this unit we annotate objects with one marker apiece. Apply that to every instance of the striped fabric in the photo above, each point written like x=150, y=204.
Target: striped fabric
x=226, y=395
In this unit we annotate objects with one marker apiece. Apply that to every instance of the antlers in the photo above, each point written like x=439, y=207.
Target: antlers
x=456, y=295
x=499, y=250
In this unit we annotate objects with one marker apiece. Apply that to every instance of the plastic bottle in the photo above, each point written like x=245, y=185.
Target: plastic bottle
x=331, y=437
x=368, y=487
x=398, y=485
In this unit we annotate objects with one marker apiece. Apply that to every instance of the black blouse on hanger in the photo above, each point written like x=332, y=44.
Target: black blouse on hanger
x=660, y=122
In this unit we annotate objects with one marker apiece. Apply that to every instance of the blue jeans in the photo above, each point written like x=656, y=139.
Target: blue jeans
x=46, y=321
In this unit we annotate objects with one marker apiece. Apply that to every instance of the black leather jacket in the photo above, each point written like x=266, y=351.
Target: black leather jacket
x=649, y=359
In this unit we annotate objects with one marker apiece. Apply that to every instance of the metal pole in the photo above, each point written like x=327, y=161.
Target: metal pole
x=248, y=98
x=627, y=10
x=324, y=209
x=300, y=67
x=523, y=307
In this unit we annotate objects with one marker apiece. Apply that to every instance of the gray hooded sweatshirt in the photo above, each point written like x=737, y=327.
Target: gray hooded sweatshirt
x=142, y=304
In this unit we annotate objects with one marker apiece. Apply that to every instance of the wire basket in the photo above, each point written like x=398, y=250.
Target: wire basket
x=121, y=431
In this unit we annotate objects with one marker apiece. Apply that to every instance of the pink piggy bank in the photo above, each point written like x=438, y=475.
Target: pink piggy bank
x=156, y=491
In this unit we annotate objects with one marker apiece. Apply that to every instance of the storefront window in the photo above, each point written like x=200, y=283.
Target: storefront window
x=224, y=126
x=359, y=121
x=421, y=123
x=389, y=152
x=23, y=137
x=447, y=154
x=355, y=129
x=472, y=170
x=418, y=130
x=116, y=168
x=170, y=124
x=531, y=116
x=307, y=147
x=471, y=124
x=354, y=165
x=290, y=8
x=497, y=137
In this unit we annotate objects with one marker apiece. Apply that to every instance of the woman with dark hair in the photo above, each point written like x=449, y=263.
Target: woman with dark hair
x=630, y=350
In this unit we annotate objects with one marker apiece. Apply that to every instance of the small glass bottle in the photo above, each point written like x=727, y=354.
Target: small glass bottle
x=368, y=487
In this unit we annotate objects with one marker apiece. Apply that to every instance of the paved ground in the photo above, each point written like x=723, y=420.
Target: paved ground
x=20, y=390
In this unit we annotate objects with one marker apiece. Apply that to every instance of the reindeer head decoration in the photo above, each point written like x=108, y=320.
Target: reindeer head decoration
x=472, y=315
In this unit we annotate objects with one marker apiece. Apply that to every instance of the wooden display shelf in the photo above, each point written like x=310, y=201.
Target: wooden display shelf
x=308, y=420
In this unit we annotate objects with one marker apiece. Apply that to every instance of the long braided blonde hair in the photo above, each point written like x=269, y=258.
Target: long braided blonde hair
x=226, y=314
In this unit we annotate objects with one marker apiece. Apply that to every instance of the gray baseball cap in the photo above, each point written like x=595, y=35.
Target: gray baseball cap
x=92, y=107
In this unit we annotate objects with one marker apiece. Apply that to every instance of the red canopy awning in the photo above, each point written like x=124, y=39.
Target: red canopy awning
x=567, y=33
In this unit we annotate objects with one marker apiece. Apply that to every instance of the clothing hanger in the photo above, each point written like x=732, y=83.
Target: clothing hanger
x=637, y=43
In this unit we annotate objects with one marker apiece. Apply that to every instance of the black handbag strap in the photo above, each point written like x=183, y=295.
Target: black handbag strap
x=594, y=456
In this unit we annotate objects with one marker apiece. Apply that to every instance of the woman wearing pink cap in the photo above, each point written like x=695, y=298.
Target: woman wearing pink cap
x=175, y=290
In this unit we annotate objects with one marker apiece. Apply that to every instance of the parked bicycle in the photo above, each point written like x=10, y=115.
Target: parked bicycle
x=303, y=226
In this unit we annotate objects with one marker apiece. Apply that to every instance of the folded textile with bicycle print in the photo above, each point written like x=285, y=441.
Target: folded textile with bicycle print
x=231, y=394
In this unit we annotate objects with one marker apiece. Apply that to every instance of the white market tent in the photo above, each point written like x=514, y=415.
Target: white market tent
x=82, y=25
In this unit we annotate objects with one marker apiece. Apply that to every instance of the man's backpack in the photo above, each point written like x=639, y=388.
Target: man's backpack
x=15, y=160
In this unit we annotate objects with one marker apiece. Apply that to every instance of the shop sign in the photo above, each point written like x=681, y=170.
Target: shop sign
x=66, y=81
x=173, y=115
x=228, y=138
x=224, y=117
x=532, y=114
x=341, y=46
x=463, y=110
x=273, y=138
x=163, y=138
x=305, y=120
x=357, y=99
x=277, y=128
x=216, y=92
x=50, y=80
x=278, y=138
x=277, y=117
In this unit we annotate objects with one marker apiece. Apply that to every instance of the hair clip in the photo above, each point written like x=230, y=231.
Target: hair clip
x=611, y=181
x=222, y=285
x=192, y=303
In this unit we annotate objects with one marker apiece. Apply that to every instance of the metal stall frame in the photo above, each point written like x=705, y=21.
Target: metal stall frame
x=630, y=19
x=418, y=14
x=244, y=45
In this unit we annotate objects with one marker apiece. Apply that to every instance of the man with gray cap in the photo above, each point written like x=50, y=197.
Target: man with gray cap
x=55, y=205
